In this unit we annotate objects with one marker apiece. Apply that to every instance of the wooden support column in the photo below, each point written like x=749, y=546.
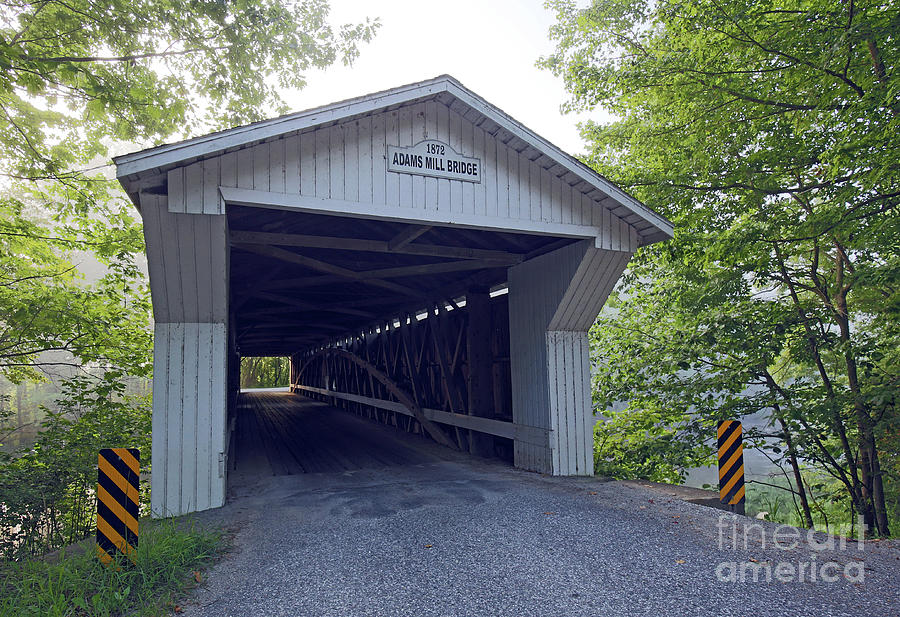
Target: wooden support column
x=481, y=366
x=553, y=300
x=187, y=258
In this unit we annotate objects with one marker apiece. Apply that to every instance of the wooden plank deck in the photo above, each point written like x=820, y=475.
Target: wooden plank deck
x=279, y=433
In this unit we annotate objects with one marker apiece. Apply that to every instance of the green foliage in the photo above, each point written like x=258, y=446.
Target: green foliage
x=77, y=583
x=48, y=491
x=643, y=442
x=265, y=372
x=80, y=77
x=830, y=512
x=48, y=306
x=78, y=73
x=770, y=134
x=891, y=465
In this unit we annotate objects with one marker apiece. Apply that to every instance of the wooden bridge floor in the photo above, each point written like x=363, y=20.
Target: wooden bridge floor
x=279, y=433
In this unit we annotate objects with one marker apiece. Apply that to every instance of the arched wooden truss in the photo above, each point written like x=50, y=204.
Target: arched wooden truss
x=433, y=372
x=402, y=397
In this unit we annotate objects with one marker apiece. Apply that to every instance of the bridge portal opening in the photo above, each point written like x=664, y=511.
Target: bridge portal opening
x=265, y=372
x=406, y=325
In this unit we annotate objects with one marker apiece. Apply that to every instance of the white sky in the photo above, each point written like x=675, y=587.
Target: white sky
x=490, y=46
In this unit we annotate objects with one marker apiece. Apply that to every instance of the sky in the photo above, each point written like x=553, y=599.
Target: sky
x=490, y=46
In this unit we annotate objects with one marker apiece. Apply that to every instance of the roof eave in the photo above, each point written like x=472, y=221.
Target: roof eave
x=207, y=145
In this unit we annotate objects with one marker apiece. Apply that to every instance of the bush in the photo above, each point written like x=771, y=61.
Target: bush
x=47, y=493
x=648, y=444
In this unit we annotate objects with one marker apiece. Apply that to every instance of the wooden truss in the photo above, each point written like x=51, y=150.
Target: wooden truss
x=428, y=375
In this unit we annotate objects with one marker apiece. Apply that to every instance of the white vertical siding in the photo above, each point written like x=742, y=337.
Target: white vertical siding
x=535, y=289
x=187, y=254
x=347, y=162
x=553, y=300
x=151, y=208
x=352, y=160
x=194, y=189
x=591, y=284
x=187, y=258
x=291, y=164
x=160, y=451
x=569, y=374
x=188, y=417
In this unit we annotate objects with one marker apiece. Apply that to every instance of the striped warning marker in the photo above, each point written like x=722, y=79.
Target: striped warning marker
x=731, y=465
x=118, y=480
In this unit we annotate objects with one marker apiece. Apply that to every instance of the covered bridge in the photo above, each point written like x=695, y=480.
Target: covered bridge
x=423, y=259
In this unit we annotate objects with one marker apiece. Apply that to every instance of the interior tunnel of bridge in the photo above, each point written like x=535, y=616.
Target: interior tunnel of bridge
x=280, y=434
x=299, y=280
x=418, y=312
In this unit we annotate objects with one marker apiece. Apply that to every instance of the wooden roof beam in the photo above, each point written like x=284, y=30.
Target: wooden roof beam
x=437, y=268
x=383, y=273
x=407, y=236
x=259, y=284
x=294, y=326
x=242, y=238
x=321, y=266
x=306, y=306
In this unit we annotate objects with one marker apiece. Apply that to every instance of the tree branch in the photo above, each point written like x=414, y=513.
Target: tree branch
x=127, y=58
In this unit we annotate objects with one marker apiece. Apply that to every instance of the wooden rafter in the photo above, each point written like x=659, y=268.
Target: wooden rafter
x=307, y=306
x=297, y=283
x=266, y=338
x=410, y=309
x=245, y=238
x=321, y=266
x=407, y=236
x=267, y=312
x=305, y=325
x=438, y=268
x=247, y=293
x=383, y=273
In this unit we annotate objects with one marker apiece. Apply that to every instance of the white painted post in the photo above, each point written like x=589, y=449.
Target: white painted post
x=553, y=300
x=187, y=258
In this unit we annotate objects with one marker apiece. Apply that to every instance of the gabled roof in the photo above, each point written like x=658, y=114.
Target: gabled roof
x=139, y=169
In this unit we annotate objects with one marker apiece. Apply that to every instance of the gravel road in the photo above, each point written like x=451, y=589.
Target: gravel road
x=460, y=536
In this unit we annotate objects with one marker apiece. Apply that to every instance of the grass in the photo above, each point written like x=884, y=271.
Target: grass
x=76, y=584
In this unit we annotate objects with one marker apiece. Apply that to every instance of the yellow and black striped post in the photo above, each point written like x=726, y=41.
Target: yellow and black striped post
x=731, y=465
x=118, y=481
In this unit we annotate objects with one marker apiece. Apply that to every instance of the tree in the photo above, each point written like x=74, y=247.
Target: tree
x=51, y=315
x=81, y=77
x=768, y=132
x=263, y=372
x=78, y=79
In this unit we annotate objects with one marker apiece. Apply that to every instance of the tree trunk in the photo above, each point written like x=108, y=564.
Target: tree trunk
x=798, y=477
x=858, y=494
x=870, y=466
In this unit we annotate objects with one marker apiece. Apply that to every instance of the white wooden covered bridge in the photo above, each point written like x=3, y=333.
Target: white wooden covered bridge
x=425, y=261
